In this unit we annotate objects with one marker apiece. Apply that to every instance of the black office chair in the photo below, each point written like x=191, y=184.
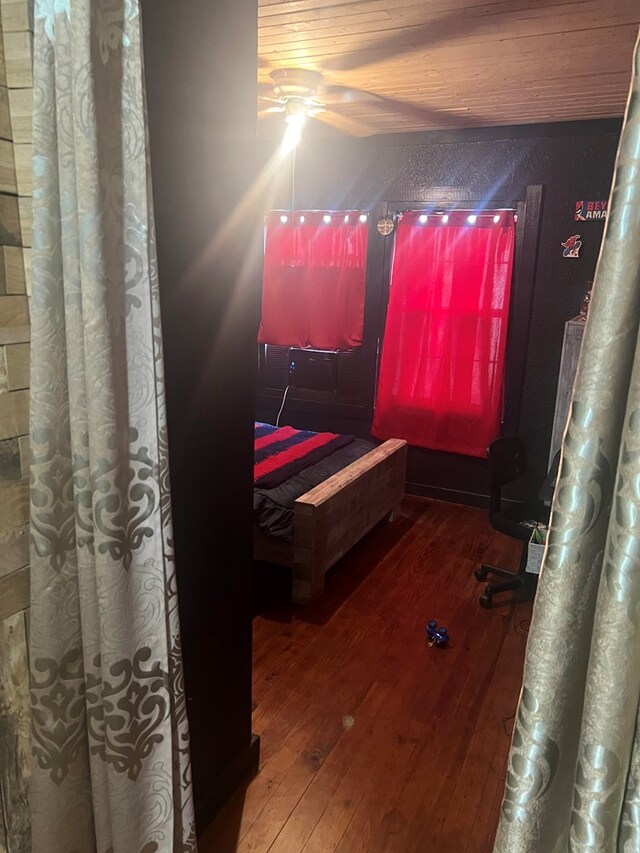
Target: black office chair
x=508, y=461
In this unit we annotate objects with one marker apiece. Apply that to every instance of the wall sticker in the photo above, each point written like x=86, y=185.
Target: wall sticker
x=591, y=210
x=571, y=247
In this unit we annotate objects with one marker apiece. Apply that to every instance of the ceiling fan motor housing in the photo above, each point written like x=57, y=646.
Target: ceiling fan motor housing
x=295, y=82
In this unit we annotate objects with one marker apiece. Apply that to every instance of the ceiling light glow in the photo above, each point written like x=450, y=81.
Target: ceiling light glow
x=445, y=218
x=423, y=218
x=326, y=218
x=471, y=219
x=284, y=219
x=496, y=219
x=295, y=122
x=363, y=217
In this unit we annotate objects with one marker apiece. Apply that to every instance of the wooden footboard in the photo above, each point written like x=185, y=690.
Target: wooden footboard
x=332, y=517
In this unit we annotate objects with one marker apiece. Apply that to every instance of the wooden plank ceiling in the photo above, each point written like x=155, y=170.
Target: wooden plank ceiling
x=436, y=64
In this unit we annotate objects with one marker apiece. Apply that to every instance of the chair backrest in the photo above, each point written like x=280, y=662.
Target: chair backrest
x=508, y=461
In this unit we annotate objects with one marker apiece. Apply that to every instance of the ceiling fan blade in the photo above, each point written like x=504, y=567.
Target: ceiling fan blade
x=268, y=100
x=334, y=94
x=344, y=124
x=431, y=115
x=451, y=25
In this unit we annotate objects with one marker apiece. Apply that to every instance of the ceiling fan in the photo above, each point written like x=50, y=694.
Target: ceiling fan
x=300, y=93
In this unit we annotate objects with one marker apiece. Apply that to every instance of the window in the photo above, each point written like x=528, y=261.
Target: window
x=313, y=279
x=441, y=372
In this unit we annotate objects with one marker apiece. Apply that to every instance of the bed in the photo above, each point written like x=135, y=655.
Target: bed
x=318, y=526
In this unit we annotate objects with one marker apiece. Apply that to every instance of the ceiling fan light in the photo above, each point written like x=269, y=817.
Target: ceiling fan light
x=295, y=112
x=294, y=118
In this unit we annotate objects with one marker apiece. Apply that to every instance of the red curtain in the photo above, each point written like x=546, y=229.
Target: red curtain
x=313, y=279
x=441, y=373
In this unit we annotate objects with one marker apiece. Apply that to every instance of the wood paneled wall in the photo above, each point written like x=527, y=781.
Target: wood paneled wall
x=16, y=95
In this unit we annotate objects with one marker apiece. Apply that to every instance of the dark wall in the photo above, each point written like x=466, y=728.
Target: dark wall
x=200, y=63
x=571, y=161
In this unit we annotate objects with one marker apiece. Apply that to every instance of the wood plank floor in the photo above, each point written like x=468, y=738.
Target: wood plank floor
x=370, y=740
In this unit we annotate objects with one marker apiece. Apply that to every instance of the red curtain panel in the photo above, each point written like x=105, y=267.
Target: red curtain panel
x=313, y=279
x=441, y=374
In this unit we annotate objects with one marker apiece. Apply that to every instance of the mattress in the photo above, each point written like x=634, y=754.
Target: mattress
x=273, y=508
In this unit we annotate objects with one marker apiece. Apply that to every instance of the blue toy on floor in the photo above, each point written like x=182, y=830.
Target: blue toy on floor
x=436, y=636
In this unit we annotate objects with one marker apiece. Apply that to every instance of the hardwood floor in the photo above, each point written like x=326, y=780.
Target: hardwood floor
x=372, y=741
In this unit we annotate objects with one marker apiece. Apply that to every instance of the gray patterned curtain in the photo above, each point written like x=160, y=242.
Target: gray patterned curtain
x=573, y=781
x=110, y=739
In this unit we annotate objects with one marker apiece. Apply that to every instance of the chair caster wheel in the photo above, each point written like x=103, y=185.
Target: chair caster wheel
x=480, y=574
x=485, y=600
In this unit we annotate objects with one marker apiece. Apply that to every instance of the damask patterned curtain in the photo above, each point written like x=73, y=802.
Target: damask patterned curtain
x=110, y=739
x=573, y=782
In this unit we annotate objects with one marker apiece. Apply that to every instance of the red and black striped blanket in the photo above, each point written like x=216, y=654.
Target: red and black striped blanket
x=281, y=452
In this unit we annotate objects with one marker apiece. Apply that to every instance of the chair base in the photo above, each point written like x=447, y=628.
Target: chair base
x=486, y=569
x=513, y=580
